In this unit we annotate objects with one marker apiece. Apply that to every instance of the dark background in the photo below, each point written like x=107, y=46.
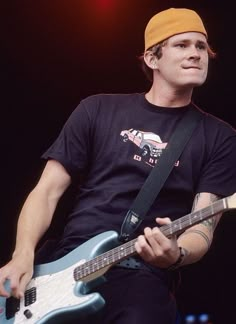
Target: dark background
x=53, y=54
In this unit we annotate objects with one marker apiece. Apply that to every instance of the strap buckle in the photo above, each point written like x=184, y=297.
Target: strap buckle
x=130, y=223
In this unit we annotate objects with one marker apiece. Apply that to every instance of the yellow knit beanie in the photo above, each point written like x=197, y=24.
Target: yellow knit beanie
x=171, y=22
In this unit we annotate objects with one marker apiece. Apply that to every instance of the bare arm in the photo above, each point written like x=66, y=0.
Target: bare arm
x=34, y=219
x=155, y=248
x=197, y=240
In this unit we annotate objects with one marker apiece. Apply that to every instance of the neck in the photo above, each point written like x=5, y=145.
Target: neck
x=169, y=97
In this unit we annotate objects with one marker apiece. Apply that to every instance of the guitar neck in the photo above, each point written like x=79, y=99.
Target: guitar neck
x=183, y=223
x=127, y=249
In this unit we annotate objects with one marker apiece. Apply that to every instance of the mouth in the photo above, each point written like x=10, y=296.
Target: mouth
x=191, y=67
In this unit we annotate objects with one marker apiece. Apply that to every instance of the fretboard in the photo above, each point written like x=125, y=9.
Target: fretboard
x=127, y=249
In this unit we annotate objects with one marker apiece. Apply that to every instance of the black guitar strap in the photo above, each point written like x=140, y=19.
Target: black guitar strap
x=159, y=173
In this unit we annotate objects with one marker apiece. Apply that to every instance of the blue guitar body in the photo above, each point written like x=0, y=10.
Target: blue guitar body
x=54, y=295
x=60, y=291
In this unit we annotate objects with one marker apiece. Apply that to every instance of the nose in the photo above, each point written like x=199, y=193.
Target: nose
x=194, y=53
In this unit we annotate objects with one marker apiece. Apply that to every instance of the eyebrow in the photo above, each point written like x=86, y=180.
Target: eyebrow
x=187, y=40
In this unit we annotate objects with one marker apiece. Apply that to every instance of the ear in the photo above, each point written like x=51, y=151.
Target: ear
x=151, y=60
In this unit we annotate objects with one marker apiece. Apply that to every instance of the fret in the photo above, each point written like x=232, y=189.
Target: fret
x=83, y=271
x=94, y=266
x=128, y=249
x=116, y=254
x=219, y=205
x=224, y=203
x=121, y=253
x=190, y=220
x=180, y=224
x=113, y=256
x=131, y=248
x=200, y=215
x=212, y=209
x=86, y=270
x=78, y=273
x=105, y=261
x=195, y=216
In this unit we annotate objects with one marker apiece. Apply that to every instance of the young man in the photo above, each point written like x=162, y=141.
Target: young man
x=104, y=149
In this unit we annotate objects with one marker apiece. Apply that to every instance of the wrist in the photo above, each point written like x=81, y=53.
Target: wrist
x=23, y=252
x=179, y=261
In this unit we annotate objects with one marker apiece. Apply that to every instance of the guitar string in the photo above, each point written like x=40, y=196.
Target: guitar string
x=120, y=252
x=193, y=218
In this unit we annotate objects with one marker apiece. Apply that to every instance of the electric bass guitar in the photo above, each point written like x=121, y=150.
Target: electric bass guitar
x=61, y=290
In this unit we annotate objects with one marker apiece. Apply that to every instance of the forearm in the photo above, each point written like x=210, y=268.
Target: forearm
x=197, y=240
x=37, y=212
x=34, y=220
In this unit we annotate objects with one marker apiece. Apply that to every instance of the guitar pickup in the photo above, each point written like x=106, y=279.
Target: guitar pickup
x=30, y=296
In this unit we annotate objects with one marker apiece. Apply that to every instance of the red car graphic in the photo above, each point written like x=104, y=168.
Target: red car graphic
x=149, y=143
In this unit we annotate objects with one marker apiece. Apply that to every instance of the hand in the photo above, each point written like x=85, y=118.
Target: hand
x=155, y=248
x=18, y=271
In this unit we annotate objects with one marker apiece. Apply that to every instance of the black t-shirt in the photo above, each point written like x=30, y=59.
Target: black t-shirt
x=109, y=145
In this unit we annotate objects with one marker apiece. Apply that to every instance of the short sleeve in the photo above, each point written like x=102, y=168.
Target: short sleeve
x=71, y=148
x=218, y=175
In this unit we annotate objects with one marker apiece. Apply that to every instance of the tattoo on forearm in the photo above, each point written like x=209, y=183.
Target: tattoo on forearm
x=203, y=235
x=211, y=222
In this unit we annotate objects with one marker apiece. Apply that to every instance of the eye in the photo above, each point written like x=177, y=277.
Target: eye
x=202, y=46
x=181, y=45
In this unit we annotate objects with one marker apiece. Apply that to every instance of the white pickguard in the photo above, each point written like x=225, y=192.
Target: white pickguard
x=61, y=287
x=54, y=291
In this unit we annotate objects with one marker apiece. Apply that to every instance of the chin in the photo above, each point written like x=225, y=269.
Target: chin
x=195, y=82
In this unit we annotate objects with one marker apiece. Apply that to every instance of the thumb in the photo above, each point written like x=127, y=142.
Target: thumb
x=23, y=283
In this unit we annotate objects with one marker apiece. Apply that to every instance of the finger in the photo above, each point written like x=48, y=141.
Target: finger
x=163, y=221
x=5, y=284
x=153, y=237
x=160, y=243
x=143, y=248
x=4, y=291
x=166, y=221
x=14, y=285
x=22, y=286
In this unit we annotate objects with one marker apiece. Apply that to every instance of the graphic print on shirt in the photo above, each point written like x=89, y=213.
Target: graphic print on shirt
x=150, y=145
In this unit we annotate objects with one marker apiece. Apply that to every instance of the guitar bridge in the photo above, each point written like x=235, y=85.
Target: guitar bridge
x=12, y=306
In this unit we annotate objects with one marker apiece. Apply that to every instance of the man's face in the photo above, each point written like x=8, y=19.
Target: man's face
x=184, y=61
